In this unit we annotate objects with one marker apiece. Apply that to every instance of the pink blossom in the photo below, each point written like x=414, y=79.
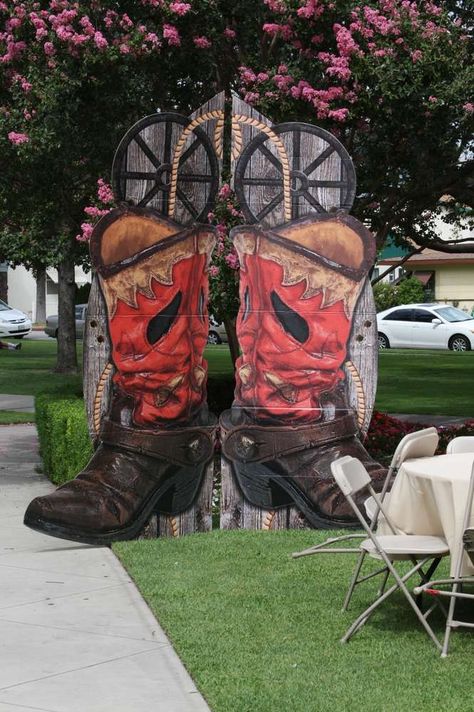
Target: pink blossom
x=49, y=49
x=180, y=8
x=251, y=97
x=338, y=114
x=469, y=107
x=171, y=34
x=18, y=138
x=272, y=28
x=232, y=260
x=345, y=42
x=214, y=271
x=230, y=33
x=416, y=55
x=95, y=212
x=225, y=192
x=202, y=42
x=433, y=99
x=282, y=69
x=283, y=82
x=100, y=41
x=277, y=6
x=247, y=75
x=85, y=236
x=211, y=216
x=104, y=191
x=262, y=77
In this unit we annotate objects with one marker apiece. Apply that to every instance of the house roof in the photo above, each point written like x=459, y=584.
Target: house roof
x=433, y=257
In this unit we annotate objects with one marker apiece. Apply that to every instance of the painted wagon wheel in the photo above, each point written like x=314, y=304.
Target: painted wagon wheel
x=267, y=172
x=158, y=167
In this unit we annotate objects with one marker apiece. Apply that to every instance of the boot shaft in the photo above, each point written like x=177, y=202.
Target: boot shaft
x=153, y=275
x=299, y=286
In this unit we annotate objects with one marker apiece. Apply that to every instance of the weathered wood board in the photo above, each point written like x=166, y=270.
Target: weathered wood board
x=141, y=175
x=260, y=174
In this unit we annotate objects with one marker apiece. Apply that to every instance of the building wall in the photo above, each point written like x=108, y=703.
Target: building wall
x=455, y=283
x=22, y=289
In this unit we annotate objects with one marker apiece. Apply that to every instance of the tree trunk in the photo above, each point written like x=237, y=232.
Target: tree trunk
x=229, y=325
x=40, y=312
x=67, y=358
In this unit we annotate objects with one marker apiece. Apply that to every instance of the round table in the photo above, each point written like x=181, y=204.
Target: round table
x=429, y=496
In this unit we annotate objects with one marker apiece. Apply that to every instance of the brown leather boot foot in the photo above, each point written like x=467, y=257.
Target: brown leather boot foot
x=122, y=485
x=278, y=466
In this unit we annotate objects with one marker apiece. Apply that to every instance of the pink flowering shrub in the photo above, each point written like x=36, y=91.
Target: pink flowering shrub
x=103, y=204
x=224, y=270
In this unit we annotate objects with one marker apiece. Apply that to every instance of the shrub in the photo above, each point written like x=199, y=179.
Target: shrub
x=386, y=432
x=408, y=291
x=65, y=445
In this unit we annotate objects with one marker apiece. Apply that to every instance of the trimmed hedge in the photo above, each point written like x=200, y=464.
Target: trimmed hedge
x=65, y=445
x=66, y=448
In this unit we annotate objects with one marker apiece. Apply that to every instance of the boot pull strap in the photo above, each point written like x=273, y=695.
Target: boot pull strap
x=254, y=443
x=185, y=447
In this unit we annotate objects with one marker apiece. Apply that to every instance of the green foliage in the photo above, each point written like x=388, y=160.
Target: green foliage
x=65, y=444
x=384, y=296
x=408, y=291
x=82, y=294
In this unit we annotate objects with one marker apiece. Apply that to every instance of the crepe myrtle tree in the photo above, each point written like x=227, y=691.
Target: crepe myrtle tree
x=392, y=79
x=75, y=76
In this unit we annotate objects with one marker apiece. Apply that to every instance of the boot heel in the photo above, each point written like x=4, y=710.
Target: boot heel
x=182, y=491
x=260, y=486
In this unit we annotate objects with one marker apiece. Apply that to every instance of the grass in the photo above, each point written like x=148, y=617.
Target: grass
x=260, y=632
x=410, y=381
x=30, y=371
x=10, y=417
x=426, y=381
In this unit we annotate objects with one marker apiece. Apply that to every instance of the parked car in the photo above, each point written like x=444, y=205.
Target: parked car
x=217, y=333
x=51, y=328
x=13, y=322
x=425, y=326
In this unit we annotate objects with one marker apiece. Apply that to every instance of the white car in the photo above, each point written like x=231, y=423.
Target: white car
x=13, y=323
x=425, y=326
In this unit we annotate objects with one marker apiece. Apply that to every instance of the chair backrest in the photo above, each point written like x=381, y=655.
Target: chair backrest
x=350, y=474
x=464, y=443
x=421, y=443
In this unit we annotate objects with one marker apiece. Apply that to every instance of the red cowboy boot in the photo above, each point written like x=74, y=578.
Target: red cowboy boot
x=299, y=287
x=158, y=436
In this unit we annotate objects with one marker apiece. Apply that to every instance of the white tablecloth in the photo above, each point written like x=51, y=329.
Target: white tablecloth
x=429, y=497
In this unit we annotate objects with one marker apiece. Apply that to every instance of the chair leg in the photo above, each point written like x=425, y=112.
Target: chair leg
x=353, y=582
x=400, y=584
x=384, y=583
x=449, y=621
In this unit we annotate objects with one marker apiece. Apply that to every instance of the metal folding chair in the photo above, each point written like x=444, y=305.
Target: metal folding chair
x=421, y=443
x=353, y=479
x=463, y=443
x=456, y=583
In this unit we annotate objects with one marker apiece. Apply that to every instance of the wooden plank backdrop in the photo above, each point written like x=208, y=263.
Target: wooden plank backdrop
x=136, y=157
x=260, y=176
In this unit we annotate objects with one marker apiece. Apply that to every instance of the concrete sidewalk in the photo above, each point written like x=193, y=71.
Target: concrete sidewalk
x=76, y=636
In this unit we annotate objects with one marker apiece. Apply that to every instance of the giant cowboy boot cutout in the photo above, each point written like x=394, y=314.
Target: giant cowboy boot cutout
x=158, y=437
x=290, y=419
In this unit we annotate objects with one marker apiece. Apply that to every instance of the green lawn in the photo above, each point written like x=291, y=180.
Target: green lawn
x=432, y=382
x=410, y=381
x=259, y=631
